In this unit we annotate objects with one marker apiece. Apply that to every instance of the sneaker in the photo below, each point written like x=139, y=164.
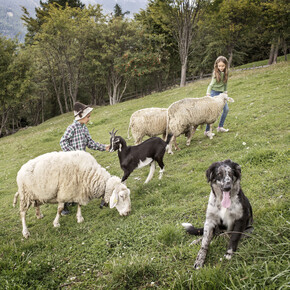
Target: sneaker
x=222, y=129
x=206, y=133
x=65, y=212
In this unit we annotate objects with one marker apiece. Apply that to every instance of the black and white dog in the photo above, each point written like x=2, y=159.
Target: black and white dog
x=228, y=209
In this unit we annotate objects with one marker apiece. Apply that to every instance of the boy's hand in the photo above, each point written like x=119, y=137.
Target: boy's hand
x=107, y=147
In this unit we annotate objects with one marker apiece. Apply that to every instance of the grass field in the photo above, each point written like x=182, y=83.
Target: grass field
x=149, y=248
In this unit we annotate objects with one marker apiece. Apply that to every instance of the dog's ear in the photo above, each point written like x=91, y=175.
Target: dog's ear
x=237, y=170
x=210, y=173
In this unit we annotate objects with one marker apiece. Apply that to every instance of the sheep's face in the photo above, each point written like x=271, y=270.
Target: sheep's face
x=121, y=200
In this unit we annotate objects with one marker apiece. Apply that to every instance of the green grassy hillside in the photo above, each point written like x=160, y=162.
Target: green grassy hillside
x=149, y=248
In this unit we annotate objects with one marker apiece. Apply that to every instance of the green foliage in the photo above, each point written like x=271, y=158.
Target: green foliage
x=149, y=248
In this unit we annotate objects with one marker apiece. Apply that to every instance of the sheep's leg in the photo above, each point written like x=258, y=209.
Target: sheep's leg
x=210, y=132
x=25, y=231
x=175, y=144
x=190, y=134
x=151, y=172
x=80, y=218
x=38, y=213
x=58, y=214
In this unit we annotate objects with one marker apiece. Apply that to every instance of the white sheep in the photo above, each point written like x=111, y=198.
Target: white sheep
x=73, y=176
x=189, y=113
x=147, y=122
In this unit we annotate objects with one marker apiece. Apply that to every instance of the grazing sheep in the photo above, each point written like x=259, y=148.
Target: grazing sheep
x=192, y=112
x=147, y=122
x=73, y=176
x=131, y=157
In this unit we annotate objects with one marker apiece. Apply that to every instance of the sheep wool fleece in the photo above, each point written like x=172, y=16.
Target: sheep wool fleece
x=62, y=177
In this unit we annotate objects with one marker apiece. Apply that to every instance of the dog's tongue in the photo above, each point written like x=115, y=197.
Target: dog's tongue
x=226, y=202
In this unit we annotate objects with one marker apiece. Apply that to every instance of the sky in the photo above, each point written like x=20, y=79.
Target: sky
x=127, y=5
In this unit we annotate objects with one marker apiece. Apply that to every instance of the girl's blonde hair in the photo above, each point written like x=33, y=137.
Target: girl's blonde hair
x=216, y=72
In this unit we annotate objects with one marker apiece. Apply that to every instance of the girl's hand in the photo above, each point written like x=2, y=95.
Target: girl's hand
x=107, y=147
x=208, y=95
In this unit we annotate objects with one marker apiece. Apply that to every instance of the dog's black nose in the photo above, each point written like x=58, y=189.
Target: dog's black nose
x=227, y=188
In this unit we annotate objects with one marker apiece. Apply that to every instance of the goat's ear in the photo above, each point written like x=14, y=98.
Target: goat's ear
x=114, y=199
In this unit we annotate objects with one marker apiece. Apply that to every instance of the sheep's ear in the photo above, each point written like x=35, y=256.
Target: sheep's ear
x=114, y=199
x=230, y=100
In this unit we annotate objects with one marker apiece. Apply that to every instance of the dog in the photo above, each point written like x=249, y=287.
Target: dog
x=228, y=209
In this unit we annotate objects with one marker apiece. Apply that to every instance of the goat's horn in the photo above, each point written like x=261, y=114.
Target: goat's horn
x=112, y=133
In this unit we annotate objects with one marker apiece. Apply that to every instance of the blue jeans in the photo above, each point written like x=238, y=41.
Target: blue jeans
x=225, y=110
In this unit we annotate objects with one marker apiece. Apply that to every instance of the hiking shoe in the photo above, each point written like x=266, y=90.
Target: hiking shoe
x=65, y=212
x=207, y=134
x=222, y=129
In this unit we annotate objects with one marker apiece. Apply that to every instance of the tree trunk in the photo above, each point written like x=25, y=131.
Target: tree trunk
x=64, y=94
x=42, y=108
x=183, y=73
x=276, y=51
x=231, y=55
x=56, y=89
x=285, y=48
x=270, y=61
x=4, y=118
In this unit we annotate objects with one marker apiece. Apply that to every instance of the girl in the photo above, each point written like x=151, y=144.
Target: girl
x=217, y=86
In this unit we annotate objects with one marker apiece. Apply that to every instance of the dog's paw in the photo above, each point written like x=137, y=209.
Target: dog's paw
x=197, y=265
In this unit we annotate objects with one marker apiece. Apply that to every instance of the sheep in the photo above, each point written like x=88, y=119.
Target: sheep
x=132, y=157
x=189, y=113
x=147, y=122
x=73, y=176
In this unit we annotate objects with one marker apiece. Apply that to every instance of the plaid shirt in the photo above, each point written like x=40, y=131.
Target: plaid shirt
x=77, y=137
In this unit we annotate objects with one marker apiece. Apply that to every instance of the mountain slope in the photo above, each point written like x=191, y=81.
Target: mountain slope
x=11, y=24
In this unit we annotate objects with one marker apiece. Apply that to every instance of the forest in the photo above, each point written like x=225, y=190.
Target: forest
x=74, y=52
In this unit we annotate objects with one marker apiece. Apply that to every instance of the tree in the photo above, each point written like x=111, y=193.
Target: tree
x=15, y=80
x=180, y=17
x=34, y=24
x=226, y=26
x=118, y=11
x=127, y=53
x=275, y=23
x=62, y=42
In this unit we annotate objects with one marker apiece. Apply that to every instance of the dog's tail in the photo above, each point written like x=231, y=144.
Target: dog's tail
x=192, y=230
x=15, y=199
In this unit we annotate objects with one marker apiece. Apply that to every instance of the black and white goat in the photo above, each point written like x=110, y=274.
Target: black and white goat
x=148, y=152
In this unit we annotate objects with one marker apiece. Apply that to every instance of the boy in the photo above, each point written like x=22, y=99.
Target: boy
x=77, y=136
